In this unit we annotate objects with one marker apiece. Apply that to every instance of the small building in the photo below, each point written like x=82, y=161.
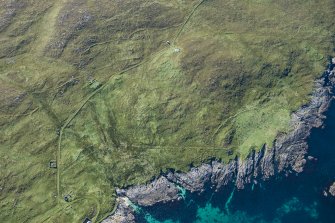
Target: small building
x=87, y=220
x=176, y=50
x=53, y=164
x=67, y=198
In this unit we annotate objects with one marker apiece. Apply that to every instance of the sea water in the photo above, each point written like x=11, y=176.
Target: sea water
x=293, y=198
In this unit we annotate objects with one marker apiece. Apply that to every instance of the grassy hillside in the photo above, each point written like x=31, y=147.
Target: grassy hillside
x=118, y=91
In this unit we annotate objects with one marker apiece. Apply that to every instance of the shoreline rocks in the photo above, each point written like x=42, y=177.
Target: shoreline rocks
x=150, y=194
x=288, y=155
x=123, y=213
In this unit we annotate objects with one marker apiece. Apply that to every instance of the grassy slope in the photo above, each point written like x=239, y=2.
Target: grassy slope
x=93, y=85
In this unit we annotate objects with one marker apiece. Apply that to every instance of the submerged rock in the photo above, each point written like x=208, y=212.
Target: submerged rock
x=332, y=190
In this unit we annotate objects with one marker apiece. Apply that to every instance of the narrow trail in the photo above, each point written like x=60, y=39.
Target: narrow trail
x=47, y=27
x=187, y=20
x=183, y=25
x=205, y=147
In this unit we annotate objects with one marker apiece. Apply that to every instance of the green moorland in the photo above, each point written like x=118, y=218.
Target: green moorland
x=94, y=85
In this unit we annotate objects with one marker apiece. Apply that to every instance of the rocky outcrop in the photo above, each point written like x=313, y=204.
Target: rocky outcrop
x=194, y=180
x=158, y=191
x=287, y=155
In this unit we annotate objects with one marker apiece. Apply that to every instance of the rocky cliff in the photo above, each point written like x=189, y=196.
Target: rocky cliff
x=288, y=155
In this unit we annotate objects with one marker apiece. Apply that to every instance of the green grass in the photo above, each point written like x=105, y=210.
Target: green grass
x=94, y=85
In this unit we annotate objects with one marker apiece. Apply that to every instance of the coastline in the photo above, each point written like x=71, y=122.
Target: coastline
x=288, y=155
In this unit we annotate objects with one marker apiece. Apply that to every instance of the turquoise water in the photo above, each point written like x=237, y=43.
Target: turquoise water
x=296, y=198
